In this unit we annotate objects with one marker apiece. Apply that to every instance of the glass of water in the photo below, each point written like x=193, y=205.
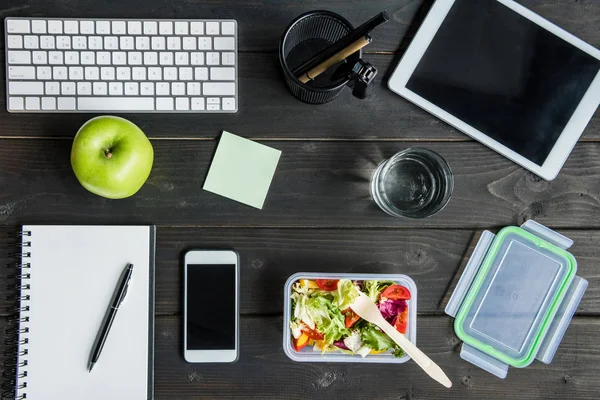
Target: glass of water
x=414, y=183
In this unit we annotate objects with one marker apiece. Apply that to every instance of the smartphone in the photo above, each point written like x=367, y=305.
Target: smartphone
x=211, y=306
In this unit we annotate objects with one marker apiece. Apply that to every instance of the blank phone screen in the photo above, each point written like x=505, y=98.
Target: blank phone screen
x=211, y=310
x=504, y=75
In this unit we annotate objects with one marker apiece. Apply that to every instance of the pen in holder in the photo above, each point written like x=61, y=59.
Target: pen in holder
x=310, y=34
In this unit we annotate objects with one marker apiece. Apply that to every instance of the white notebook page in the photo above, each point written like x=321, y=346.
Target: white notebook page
x=74, y=272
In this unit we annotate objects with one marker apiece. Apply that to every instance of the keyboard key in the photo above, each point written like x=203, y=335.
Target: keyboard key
x=31, y=42
x=55, y=27
x=103, y=58
x=17, y=26
x=123, y=73
x=131, y=89
x=119, y=58
x=228, y=58
x=55, y=58
x=165, y=27
x=197, y=58
x=134, y=27
x=52, y=88
x=224, y=43
x=178, y=89
x=150, y=28
x=22, y=73
x=201, y=73
x=142, y=43
x=193, y=89
x=95, y=43
x=48, y=103
x=154, y=73
x=150, y=58
x=189, y=43
x=182, y=104
x=170, y=74
x=159, y=43
x=222, y=74
x=204, y=43
x=38, y=26
x=16, y=103
x=63, y=42
x=47, y=42
x=76, y=73
x=139, y=73
x=119, y=28
x=44, y=73
x=181, y=28
x=197, y=103
x=67, y=88
x=103, y=27
x=80, y=43
x=107, y=73
x=197, y=28
x=228, y=28
x=32, y=103
x=86, y=27
x=212, y=28
x=126, y=42
x=100, y=88
x=213, y=107
x=182, y=58
x=162, y=89
x=186, y=74
x=213, y=100
x=212, y=58
x=164, y=103
x=72, y=27
x=115, y=88
x=218, y=89
x=92, y=73
x=88, y=58
x=19, y=57
x=115, y=103
x=40, y=57
x=25, y=88
x=174, y=43
x=229, y=103
x=71, y=57
x=111, y=43
x=147, y=89
x=84, y=88
x=166, y=58
x=134, y=58
x=67, y=103
x=15, y=41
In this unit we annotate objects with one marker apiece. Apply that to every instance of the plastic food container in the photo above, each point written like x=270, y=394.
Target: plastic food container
x=307, y=354
x=516, y=298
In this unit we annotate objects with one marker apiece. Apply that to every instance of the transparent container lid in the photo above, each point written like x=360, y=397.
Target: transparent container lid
x=514, y=297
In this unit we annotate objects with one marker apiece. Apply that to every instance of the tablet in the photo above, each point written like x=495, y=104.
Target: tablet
x=504, y=76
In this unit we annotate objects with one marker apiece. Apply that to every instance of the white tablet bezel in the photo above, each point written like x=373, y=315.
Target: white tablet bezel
x=574, y=128
x=212, y=257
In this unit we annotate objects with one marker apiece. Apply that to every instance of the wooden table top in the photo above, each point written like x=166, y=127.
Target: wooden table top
x=318, y=215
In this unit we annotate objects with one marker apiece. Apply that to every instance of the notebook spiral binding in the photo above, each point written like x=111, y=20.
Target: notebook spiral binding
x=15, y=374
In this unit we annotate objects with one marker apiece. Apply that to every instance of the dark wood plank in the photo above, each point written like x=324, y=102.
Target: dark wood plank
x=322, y=184
x=264, y=371
x=268, y=110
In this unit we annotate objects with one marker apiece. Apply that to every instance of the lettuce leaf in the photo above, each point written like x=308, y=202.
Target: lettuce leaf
x=345, y=294
x=373, y=338
x=373, y=289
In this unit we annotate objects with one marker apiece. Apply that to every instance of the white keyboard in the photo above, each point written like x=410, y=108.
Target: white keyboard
x=125, y=65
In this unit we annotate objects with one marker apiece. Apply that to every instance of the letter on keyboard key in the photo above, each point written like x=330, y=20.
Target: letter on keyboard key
x=84, y=88
x=100, y=88
x=218, y=89
x=66, y=103
x=224, y=43
x=21, y=72
x=52, y=88
x=25, y=88
x=115, y=103
x=19, y=57
x=164, y=103
x=92, y=73
x=222, y=74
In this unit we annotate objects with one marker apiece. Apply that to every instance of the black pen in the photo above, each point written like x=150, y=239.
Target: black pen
x=116, y=301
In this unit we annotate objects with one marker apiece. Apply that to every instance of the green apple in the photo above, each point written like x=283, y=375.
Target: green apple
x=111, y=157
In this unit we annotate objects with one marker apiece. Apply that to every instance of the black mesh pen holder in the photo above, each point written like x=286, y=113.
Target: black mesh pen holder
x=307, y=35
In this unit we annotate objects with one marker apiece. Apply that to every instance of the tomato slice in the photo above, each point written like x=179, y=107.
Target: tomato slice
x=301, y=342
x=351, y=318
x=327, y=284
x=396, y=292
x=312, y=333
x=402, y=322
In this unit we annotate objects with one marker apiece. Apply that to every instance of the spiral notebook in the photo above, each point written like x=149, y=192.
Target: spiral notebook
x=69, y=274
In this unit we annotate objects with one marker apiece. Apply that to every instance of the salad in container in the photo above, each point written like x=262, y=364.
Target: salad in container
x=320, y=326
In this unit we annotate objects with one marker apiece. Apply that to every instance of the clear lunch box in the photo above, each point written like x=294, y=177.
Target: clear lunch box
x=307, y=354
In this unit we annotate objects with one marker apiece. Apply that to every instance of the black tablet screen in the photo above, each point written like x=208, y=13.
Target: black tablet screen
x=504, y=75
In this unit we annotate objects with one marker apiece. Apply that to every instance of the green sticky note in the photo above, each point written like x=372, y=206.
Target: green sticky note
x=242, y=170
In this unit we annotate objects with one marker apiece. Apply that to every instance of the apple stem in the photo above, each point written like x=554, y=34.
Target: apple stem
x=107, y=153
